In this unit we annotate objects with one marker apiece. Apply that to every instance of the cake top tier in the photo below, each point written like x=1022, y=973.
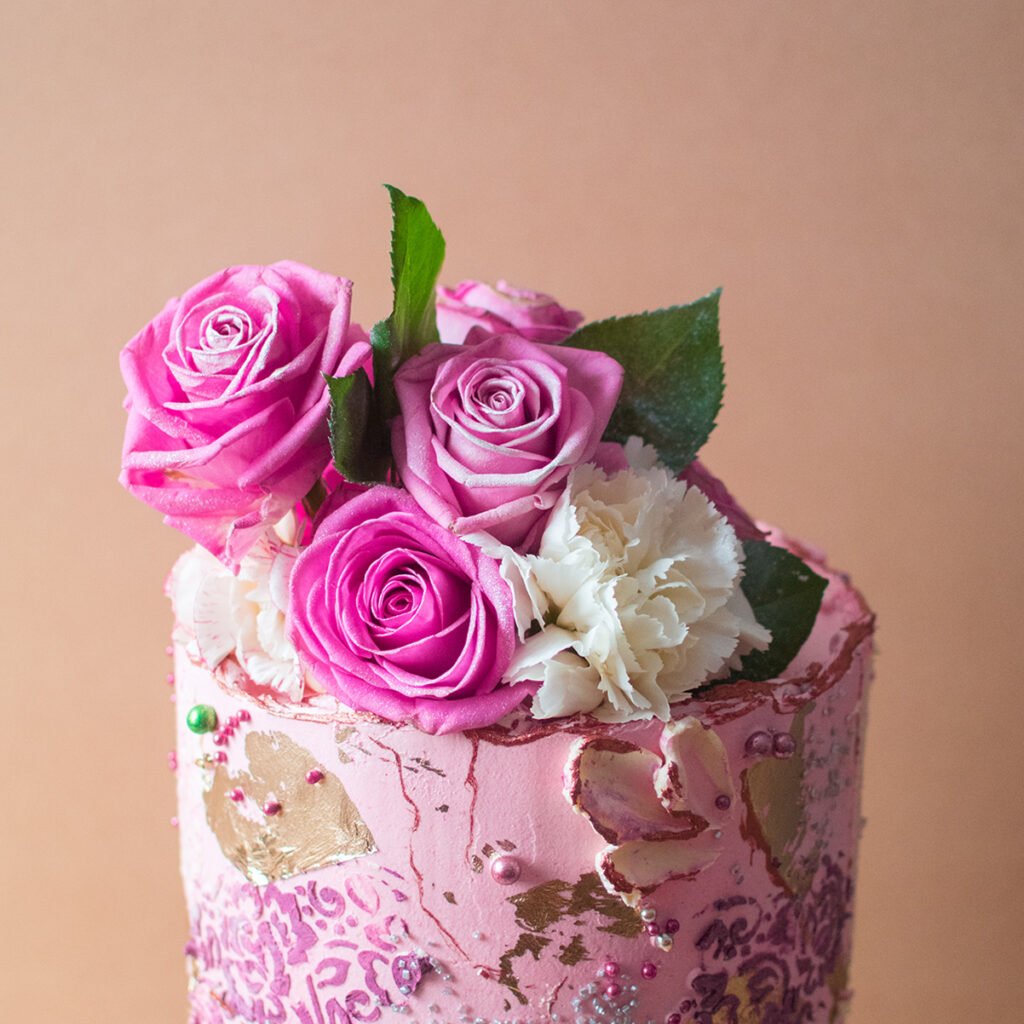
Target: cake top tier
x=484, y=511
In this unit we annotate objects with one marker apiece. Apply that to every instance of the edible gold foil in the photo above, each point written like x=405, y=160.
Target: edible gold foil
x=546, y=904
x=776, y=815
x=317, y=825
x=573, y=952
x=745, y=1012
x=532, y=944
x=342, y=734
x=839, y=986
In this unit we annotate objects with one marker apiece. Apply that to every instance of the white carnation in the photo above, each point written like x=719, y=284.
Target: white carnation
x=220, y=614
x=637, y=585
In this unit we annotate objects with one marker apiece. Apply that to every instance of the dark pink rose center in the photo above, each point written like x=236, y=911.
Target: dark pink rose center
x=406, y=598
x=220, y=347
x=399, y=598
x=224, y=329
x=499, y=396
x=498, y=408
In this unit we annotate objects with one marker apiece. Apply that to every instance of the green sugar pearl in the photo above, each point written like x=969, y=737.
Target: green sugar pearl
x=201, y=718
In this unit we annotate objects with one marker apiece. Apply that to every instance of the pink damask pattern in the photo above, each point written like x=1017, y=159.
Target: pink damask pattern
x=298, y=954
x=790, y=957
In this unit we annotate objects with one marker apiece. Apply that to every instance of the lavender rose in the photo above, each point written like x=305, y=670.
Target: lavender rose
x=500, y=309
x=227, y=406
x=394, y=615
x=490, y=430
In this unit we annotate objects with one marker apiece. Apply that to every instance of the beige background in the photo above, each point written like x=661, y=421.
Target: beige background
x=850, y=172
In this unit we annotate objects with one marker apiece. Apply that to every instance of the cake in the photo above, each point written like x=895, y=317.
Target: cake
x=494, y=705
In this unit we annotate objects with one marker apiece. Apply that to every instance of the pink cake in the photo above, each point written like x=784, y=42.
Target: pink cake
x=512, y=714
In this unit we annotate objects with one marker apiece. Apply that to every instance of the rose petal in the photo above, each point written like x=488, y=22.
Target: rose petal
x=635, y=869
x=695, y=774
x=611, y=783
x=497, y=309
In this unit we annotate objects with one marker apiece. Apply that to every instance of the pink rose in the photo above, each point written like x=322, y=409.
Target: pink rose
x=490, y=430
x=394, y=615
x=227, y=406
x=500, y=309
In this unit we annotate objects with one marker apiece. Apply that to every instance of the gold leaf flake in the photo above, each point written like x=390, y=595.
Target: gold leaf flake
x=540, y=907
x=745, y=1012
x=533, y=944
x=426, y=766
x=318, y=824
x=776, y=820
x=573, y=952
x=546, y=904
x=549, y=903
x=839, y=986
x=342, y=734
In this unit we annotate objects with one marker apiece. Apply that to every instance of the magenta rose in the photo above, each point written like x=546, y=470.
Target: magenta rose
x=393, y=614
x=490, y=430
x=227, y=406
x=500, y=309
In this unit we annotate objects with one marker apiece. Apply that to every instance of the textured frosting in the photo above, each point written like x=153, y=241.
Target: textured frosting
x=339, y=868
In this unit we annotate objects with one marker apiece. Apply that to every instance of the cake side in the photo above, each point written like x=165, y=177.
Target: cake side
x=351, y=869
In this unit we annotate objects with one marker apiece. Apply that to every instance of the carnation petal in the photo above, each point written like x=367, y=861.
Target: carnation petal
x=216, y=632
x=569, y=688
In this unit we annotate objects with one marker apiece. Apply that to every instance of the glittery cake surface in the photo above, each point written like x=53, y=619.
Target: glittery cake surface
x=339, y=868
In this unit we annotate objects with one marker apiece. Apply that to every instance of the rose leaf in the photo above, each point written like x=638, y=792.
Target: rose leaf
x=385, y=400
x=417, y=252
x=785, y=595
x=358, y=437
x=674, y=377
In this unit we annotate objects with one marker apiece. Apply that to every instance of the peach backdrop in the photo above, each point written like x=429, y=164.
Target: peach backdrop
x=851, y=173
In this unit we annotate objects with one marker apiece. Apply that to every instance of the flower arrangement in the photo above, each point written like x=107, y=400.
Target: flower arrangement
x=482, y=505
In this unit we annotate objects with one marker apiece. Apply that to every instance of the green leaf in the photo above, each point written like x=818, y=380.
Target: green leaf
x=417, y=252
x=785, y=595
x=383, y=369
x=361, y=412
x=359, y=440
x=674, y=377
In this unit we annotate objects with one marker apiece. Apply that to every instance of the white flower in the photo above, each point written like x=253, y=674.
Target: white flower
x=637, y=587
x=222, y=615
